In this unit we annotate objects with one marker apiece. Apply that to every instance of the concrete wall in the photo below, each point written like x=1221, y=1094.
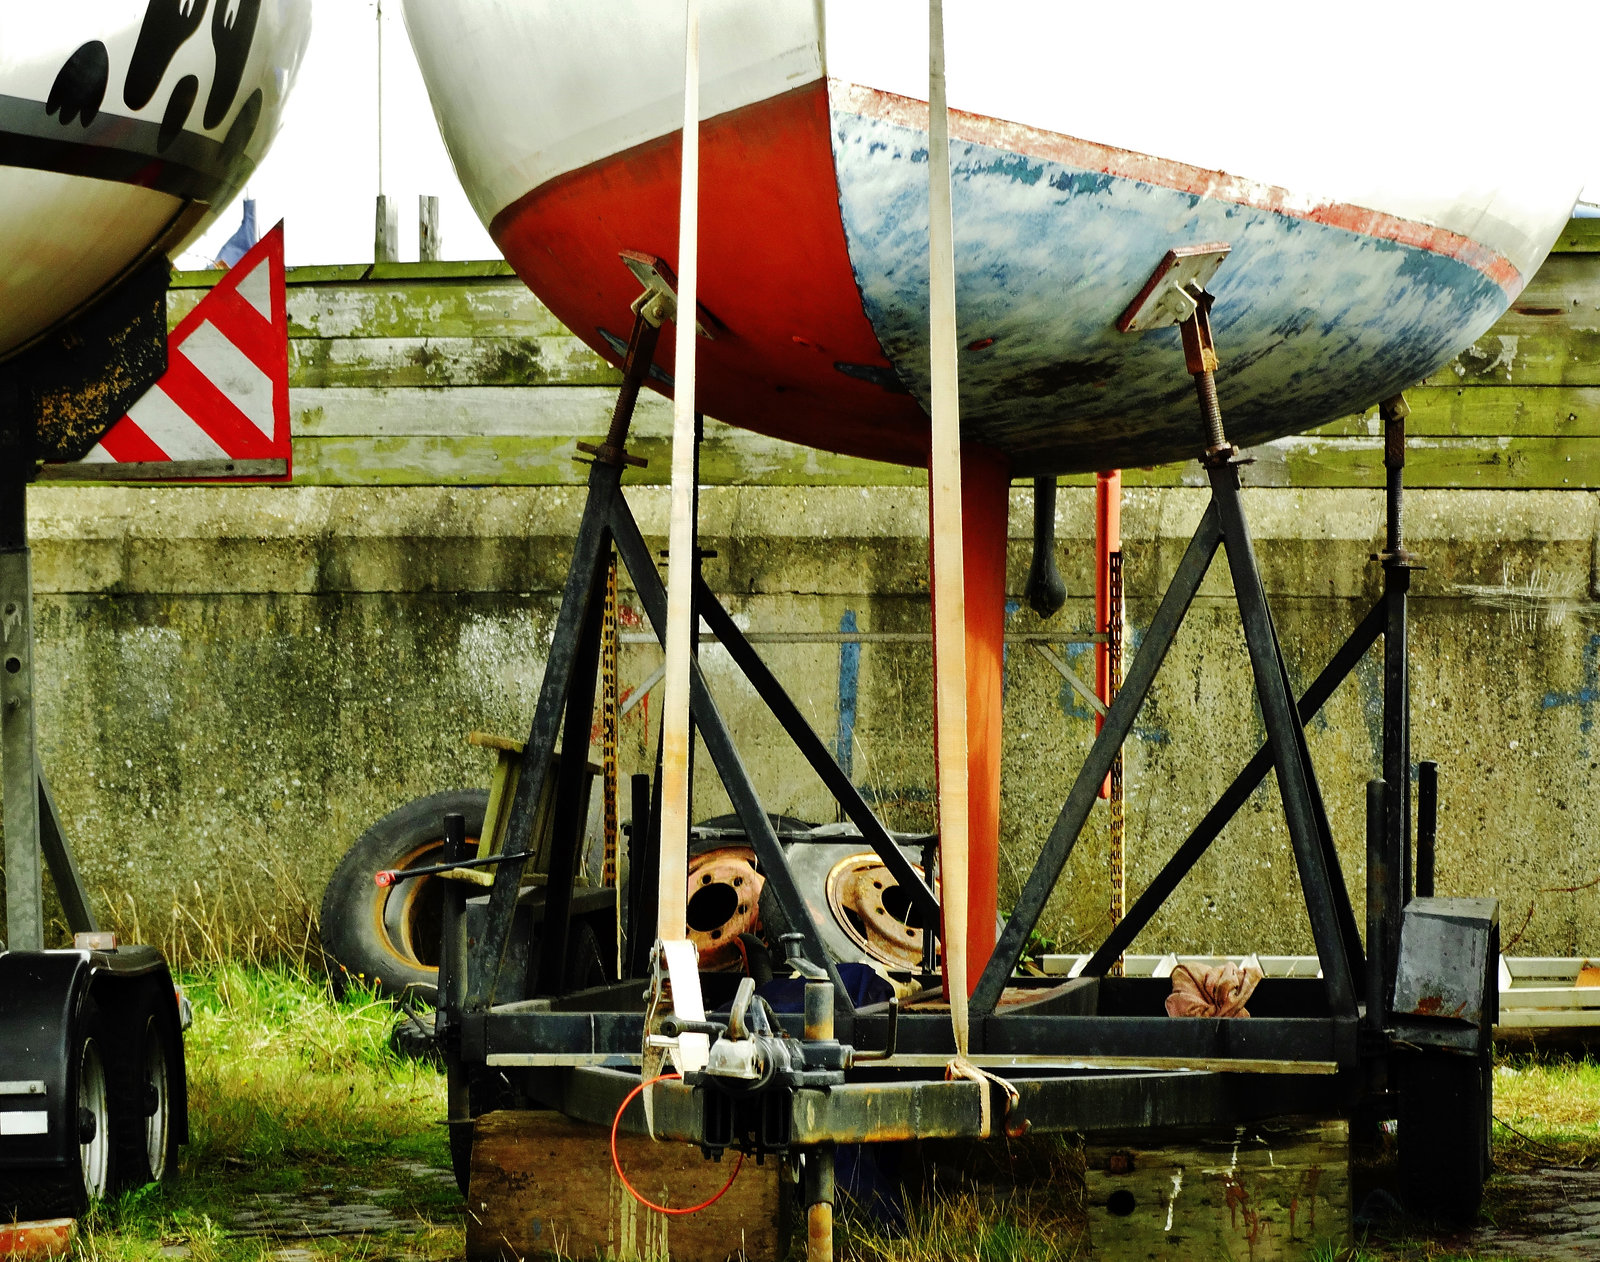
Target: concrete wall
x=236, y=681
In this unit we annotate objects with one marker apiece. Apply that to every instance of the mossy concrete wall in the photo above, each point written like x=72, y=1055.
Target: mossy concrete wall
x=236, y=681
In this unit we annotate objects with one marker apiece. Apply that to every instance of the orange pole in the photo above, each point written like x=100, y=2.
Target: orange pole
x=1107, y=539
x=985, y=511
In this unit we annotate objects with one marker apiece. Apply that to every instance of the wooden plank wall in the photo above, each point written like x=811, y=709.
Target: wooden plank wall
x=455, y=374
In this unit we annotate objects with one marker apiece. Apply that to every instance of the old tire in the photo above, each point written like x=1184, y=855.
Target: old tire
x=389, y=938
x=1446, y=1106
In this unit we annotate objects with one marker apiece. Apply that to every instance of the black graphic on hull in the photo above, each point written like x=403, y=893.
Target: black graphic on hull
x=167, y=24
x=80, y=85
x=233, y=27
x=179, y=104
x=244, y=126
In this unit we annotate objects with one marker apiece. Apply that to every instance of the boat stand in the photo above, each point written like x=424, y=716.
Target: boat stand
x=1399, y=1029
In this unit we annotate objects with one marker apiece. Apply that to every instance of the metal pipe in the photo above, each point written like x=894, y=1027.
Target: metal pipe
x=819, y=1011
x=1427, y=825
x=819, y=1192
x=1377, y=902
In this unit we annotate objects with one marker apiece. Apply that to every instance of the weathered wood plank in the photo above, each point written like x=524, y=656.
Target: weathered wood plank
x=1499, y=463
x=546, y=460
x=1581, y=236
x=1483, y=411
x=544, y=452
x=468, y=412
x=372, y=362
x=473, y=307
x=543, y=1185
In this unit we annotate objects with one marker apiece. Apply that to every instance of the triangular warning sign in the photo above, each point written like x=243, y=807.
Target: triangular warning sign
x=221, y=411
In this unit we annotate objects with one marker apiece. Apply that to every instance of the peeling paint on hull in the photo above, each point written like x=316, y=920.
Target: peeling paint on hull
x=1312, y=320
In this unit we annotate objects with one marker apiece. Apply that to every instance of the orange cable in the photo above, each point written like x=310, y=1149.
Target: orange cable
x=616, y=1161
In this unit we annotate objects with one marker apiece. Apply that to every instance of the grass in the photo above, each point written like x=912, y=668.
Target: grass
x=293, y=1096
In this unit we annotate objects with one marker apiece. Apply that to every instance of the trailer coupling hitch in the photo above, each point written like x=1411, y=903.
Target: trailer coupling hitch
x=753, y=1066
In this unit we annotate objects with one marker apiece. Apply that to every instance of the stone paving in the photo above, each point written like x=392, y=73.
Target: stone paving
x=1562, y=1221
x=319, y=1213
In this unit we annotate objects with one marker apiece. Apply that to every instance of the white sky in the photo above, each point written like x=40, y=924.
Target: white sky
x=321, y=175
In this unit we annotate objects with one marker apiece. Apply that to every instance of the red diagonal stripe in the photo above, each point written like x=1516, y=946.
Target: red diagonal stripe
x=246, y=328
x=213, y=411
x=128, y=444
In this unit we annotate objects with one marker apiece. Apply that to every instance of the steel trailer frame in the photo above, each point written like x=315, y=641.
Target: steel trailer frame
x=1338, y=1044
x=56, y=398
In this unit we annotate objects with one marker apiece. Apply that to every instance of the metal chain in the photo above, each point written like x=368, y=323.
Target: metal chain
x=609, y=641
x=1114, y=628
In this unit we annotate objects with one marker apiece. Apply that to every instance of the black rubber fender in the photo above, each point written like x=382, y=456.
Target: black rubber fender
x=41, y=993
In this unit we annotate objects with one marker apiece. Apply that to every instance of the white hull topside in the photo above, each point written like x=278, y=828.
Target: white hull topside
x=125, y=127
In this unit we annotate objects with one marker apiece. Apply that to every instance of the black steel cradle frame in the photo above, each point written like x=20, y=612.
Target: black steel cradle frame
x=1093, y=1054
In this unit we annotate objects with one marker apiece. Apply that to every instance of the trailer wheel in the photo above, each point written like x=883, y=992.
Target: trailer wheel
x=1446, y=1103
x=146, y=1129
x=91, y=1090
x=389, y=938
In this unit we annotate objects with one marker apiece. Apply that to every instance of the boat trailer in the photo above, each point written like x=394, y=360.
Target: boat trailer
x=93, y=1097
x=1398, y=1025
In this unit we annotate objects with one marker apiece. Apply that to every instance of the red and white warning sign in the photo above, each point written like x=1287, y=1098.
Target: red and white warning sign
x=221, y=411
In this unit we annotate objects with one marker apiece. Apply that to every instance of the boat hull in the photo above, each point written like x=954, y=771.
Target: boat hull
x=125, y=127
x=814, y=239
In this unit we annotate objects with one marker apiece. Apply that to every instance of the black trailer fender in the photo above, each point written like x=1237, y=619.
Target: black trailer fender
x=45, y=999
x=41, y=993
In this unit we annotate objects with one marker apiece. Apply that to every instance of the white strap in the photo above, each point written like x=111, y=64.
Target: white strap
x=671, y=894
x=949, y=580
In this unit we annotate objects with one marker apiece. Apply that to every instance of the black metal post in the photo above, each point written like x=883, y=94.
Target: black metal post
x=583, y=581
x=566, y=826
x=1086, y=788
x=19, y=750
x=1378, y=882
x=639, y=848
x=1397, y=566
x=1235, y=796
x=1427, y=825
x=452, y=987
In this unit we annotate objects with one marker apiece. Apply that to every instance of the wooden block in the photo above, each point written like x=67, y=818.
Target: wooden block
x=46, y=1238
x=543, y=1184
x=1279, y=1191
